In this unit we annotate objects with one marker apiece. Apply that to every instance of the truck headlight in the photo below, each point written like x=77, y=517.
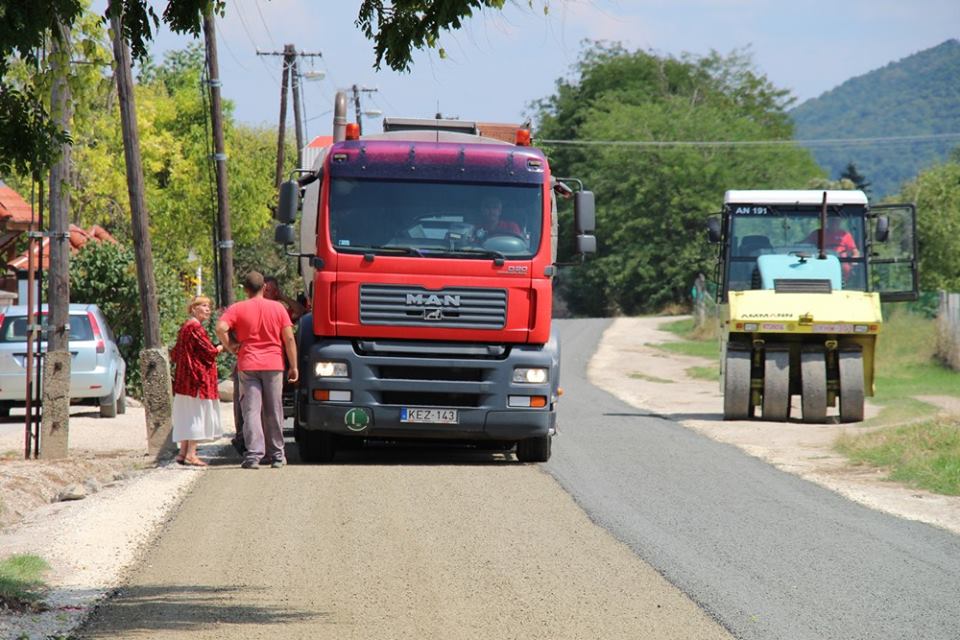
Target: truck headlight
x=326, y=369
x=530, y=375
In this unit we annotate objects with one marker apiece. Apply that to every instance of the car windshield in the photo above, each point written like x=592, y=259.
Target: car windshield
x=428, y=219
x=14, y=328
x=761, y=230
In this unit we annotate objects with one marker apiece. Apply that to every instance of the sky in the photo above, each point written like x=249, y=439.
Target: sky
x=501, y=62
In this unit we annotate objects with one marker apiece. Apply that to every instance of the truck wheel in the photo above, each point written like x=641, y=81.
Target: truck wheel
x=534, y=449
x=851, y=385
x=813, y=384
x=736, y=385
x=317, y=446
x=776, y=383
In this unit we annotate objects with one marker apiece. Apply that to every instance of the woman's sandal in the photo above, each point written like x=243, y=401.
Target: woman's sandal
x=196, y=462
x=180, y=460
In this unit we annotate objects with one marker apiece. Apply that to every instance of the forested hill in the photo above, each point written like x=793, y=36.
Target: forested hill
x=917, y=95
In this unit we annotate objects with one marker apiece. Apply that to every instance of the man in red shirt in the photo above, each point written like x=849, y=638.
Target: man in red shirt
x=262, y=332
x=490, y=223
x=836, y=239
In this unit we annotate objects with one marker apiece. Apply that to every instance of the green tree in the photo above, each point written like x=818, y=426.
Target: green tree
x=104, y=274
x=29, y=140
x=859, y=181
x=652, y=201
x=936, y=194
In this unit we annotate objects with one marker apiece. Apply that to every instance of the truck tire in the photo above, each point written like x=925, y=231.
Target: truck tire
x=316, y=446
x=534, y=449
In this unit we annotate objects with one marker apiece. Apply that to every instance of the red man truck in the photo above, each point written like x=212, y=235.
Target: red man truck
x=428, y=253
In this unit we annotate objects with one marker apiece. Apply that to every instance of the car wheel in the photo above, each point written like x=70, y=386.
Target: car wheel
x=122, y=400
x=108, y=410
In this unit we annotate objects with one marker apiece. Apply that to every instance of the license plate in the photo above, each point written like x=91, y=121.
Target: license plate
x=434, y=416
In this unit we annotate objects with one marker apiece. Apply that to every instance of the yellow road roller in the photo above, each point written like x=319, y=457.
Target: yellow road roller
x=801, y=276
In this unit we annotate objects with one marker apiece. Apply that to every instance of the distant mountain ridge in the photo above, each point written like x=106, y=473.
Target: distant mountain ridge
x=917, y=95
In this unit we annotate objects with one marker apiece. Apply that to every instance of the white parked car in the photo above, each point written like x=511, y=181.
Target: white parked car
x=97, y=369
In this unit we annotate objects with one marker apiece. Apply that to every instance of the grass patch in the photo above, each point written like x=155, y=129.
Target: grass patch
x=697, y=342
x=636, y=375
x=21, y=584
x=704, y=373
x=924, y=455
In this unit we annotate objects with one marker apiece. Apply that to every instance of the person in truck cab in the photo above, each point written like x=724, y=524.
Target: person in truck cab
x=836, y=240
x=272, y=291
x=490, y=223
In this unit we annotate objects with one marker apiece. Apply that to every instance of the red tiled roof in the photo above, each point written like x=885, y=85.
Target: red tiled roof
x=15, y=212
x=78, y=238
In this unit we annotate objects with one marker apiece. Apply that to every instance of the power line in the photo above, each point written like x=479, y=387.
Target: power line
x=269, y=35
x=246, y=30
x=815, y=142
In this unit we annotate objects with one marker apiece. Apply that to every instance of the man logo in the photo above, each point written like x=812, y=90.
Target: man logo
x=433, y=300
x=433, y=314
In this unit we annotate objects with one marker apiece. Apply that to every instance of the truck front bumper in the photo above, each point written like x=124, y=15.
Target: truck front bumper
x=384, y=378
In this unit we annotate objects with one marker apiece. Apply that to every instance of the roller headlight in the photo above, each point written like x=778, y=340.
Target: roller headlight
x=326, y=369
x=530, y=375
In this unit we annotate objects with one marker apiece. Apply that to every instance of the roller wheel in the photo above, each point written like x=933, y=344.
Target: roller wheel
x=813, y=383
x=736, y=385
x=776, y=385
x=851, y=385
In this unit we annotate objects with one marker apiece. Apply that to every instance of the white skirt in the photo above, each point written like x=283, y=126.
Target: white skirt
x=195, y=419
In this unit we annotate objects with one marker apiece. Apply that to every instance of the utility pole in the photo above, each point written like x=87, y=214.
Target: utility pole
x=154, y=366
x=297, y=114
x=356, y=103
x=290, y=56
x=55, y=397
x=282, y=127
x=225, y=244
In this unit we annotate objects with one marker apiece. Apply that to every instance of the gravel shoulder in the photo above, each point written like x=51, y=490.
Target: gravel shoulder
x=91, y=542
x=802, y=449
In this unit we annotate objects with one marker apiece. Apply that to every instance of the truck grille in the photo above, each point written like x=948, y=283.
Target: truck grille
x=456, y=308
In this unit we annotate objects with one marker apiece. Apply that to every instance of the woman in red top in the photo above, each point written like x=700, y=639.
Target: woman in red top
x=196, y=399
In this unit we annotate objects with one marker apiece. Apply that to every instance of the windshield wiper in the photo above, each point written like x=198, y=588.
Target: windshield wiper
x=380, y=249
x=498, y=258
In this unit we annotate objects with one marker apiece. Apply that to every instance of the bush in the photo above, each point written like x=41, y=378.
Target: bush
x=104, y=273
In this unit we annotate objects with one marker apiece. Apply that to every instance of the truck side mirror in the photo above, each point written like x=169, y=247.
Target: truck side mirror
x=584, y=214
x=713, y=229
x=883, y=229
x=284, y=234
x=586, y=244
x=289, y=202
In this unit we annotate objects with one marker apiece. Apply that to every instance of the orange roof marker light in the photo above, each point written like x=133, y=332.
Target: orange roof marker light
x=523, y=137
x=353, y=131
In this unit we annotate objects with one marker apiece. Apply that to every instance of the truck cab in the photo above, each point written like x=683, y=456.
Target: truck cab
x=429, y=252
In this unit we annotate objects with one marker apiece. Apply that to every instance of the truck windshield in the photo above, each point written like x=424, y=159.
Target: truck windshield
x=430, y=219
x=765, y=230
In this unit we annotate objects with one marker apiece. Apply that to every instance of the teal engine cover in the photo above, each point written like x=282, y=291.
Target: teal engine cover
x=794, y=267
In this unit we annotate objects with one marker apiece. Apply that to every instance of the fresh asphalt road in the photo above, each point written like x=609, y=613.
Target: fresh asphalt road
x=767, y=554
x=466, y=544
